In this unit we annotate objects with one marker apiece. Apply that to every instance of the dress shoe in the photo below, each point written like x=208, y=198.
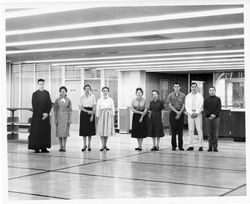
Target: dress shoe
x=102, y=149
x=209, y=150
x=153, y=149
x=182, y=149
x=200, y=149
x=190, y=149
x=215, y=150
x=89, y=149
x=83, y=149
x=173, y=149
x=45, y=151
x=157, y=148
x=107, y=148
x=37, y=151
x=63, y=150
x=137, y=148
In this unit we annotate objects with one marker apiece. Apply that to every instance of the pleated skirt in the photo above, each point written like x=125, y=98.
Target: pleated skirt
x=105, y=125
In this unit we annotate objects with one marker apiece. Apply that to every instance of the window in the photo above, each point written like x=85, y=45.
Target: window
x=230, y=88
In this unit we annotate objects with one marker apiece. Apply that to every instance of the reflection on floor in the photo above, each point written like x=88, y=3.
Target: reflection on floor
x=123, y=172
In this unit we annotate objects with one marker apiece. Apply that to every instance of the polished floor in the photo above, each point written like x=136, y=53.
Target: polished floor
x=123, y=172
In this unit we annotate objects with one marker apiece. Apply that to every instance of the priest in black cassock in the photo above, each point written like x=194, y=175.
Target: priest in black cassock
x=40, y=138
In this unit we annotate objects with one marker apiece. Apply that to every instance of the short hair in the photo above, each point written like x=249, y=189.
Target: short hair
x=194, y=83
x=87, y=85
x=139, y=89
x=105, y=87
x=177, y=83
x=63, y=87
x=154, y=90
x=212, y=87
x=42, y=80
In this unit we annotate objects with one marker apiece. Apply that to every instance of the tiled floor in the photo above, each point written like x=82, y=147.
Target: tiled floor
x=123, y=172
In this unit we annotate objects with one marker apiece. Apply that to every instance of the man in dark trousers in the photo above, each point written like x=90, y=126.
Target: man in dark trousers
x=176, y=101
x=212, y=108
x=40, y=138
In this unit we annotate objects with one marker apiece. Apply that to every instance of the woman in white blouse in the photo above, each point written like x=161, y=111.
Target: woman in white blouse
x=87, y=116
x=105, y=112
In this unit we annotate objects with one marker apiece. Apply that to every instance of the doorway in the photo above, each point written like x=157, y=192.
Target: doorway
x=204, y=81
x=74, y=94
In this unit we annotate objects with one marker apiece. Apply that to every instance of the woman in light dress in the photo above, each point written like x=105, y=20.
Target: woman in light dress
x=105, y=112
x=62, y=112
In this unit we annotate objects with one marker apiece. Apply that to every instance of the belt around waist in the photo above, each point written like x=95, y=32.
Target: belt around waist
x=103, y=109
x=88, y=108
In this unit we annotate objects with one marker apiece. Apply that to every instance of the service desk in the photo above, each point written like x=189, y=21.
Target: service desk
x=238, y=129
x=14, y=125
x=232, y=124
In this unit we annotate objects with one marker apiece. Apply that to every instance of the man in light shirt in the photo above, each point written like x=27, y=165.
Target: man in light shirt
x=194, y=106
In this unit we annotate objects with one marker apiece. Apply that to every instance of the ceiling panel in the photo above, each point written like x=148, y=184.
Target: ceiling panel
x=169, y=24
x=124, y=32
x=166, y=48
x=100, y=14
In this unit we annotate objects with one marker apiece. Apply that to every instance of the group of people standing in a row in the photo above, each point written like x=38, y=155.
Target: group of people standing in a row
x=193, y=104
x=147, y=120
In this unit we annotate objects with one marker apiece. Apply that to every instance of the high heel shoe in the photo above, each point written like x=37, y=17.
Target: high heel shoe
x=83, y=149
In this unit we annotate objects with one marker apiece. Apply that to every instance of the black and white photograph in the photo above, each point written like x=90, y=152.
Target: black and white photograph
x=124, y=101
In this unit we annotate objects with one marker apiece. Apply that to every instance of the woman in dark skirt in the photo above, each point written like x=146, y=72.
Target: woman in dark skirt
x=155, y=127
x=139, y=121
x=87, y=117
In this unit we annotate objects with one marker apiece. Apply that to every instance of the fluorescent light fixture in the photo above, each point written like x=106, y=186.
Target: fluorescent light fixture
x=156, y=59
x=194, y=69
x=124, y=21
x=179, y=67
x=130, y=34
x=169, y=66
x=152, y=63
x=139, y=56
x=157, y=42
x=48, y=10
